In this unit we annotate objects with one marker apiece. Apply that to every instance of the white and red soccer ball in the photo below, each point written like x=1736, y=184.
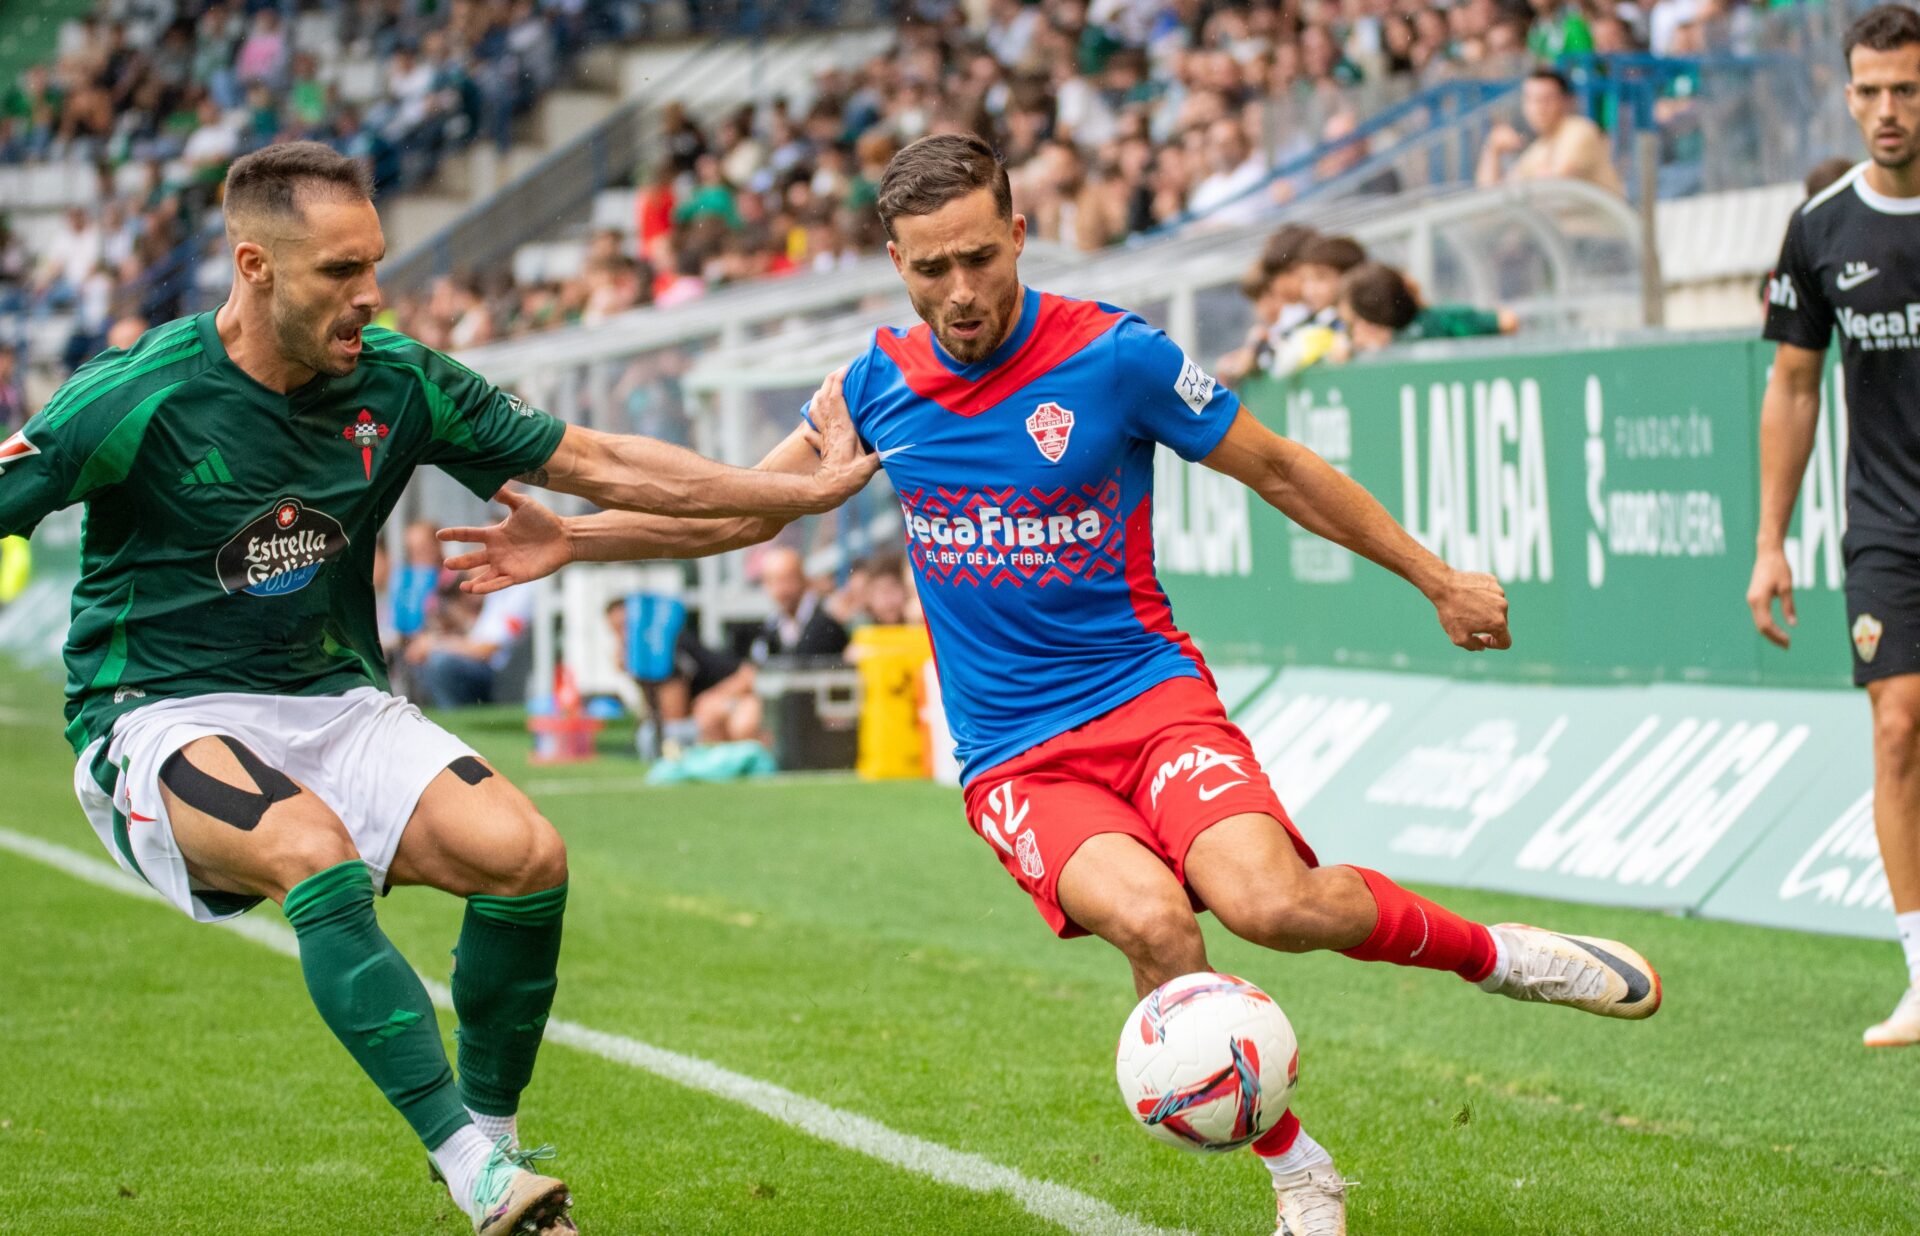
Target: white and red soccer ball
x=1207, y=1062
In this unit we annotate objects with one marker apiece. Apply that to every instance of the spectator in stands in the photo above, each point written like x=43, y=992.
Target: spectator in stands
x=13, y=394
x=1825, y=172
x=1272, y=283
x=70, y=259
x=1342, y=159
x=457, y=669
x=1382, y=307
x=1564, y=145
x=889, y=600
x=126, y=331
x=1228, y=193
x=799, y=626
x=1324, y=262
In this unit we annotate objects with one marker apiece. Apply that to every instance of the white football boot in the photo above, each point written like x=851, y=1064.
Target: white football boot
x=1311, y=1200
x=1584, y=972
x=1902, y=1028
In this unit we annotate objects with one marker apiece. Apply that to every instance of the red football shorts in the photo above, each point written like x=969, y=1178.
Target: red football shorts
x=1162, y=768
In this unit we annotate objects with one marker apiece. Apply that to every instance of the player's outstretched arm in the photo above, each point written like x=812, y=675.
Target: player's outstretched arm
x=643, y=474
x=1320, y=498
x=1789, y=413
x=532, y=541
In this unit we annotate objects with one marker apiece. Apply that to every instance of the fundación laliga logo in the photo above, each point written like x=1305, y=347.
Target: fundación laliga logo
x=281, y=551
x=365, y=433
x=1050, y=426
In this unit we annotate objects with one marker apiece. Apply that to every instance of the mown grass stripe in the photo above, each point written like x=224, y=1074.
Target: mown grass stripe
x=1069, y=1208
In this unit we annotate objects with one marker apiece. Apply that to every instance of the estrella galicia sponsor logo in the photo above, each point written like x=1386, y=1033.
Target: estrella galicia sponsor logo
x=281, y=551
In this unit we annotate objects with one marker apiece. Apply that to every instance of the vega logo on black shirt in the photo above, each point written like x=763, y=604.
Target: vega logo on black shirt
x=281, y=551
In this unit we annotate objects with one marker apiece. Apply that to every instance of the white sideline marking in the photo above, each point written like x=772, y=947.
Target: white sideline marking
x=544, y=787
x=1071, y=1209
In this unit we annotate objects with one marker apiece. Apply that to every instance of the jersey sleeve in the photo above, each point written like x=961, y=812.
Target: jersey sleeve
x=37, y=476
x=482, y=436
x=1798, y=311
x=1169, y=398
x=852, y=387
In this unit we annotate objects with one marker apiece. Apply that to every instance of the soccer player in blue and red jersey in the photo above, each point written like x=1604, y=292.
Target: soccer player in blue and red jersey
x=1018, y=428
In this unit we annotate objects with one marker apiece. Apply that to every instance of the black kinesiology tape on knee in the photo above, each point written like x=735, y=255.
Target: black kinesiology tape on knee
x=470, y=770
x=228, y=803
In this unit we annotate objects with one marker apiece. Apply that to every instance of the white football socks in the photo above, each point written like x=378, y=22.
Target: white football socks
x=460, y=1159
x=1303, y=1153
x=493, y=1128
x=1909, y=924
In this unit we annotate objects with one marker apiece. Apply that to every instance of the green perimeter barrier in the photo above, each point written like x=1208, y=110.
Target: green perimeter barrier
x=1640, y=745
x=1612, y=490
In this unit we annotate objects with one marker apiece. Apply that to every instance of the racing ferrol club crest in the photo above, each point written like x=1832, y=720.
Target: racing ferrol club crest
x=281, y=551
x=364, y=433
x=1866, y=636
x=1050, y=425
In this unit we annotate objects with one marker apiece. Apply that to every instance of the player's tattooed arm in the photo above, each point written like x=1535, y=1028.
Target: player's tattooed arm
x=641, y=474
x=537, y=477
x=1472, y=607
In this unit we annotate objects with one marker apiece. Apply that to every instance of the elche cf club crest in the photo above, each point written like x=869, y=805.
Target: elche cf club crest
x=1866, y=636
x=1050, y=426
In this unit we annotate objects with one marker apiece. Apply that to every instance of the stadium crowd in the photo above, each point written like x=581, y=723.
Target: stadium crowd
x=1115, y=116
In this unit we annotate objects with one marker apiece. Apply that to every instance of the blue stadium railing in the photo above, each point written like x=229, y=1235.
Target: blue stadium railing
x=1730, y=121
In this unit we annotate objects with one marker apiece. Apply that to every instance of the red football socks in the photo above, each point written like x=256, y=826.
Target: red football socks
x=1279, y=1139
x=1412, y=931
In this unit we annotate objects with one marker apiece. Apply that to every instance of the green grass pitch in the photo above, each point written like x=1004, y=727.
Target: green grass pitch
x=857, y=945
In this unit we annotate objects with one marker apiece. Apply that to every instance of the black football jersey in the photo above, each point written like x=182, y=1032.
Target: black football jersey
x=1851, y=262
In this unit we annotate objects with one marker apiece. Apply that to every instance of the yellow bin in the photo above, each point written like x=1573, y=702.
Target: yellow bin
x=891, y=743
x=16, y=567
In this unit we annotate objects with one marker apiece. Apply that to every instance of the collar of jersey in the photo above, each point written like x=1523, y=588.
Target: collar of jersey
x=1882, y=202
x=1016, y=338
x=251, y=387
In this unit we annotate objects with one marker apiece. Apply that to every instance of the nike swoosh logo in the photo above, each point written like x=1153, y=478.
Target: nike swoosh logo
x=1638, y=984
x=1846, y=283
x=1208, y=795
x=1426, y=931
x=891, y=451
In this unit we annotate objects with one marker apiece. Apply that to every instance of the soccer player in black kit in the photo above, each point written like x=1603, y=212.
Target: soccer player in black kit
x=1852, y=261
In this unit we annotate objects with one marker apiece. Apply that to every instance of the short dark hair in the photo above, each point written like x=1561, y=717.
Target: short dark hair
x=1547, y=74
x=1379, y=294
x=1281, y=253
x=1885, y=28
x=938, y=169
x=270, y=180
x=1343, y=253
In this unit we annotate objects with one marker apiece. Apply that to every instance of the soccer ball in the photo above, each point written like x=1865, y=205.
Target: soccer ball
x=1207, y=1062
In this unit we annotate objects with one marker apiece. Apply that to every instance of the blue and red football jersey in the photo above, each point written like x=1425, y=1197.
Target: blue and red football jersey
x=1026, y=483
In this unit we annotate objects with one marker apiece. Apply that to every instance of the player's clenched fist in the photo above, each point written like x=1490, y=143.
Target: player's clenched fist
x=1473, y=610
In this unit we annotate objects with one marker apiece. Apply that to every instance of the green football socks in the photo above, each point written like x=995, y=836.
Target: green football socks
x=372, y=1000
x=504, y=976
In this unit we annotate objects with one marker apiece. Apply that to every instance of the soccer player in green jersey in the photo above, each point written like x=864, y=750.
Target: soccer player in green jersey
x=225, y=689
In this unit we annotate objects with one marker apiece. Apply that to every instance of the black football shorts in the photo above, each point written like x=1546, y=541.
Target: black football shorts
x=1883, y=611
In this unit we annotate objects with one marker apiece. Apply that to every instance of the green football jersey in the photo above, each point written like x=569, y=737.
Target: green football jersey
x=229, y=531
